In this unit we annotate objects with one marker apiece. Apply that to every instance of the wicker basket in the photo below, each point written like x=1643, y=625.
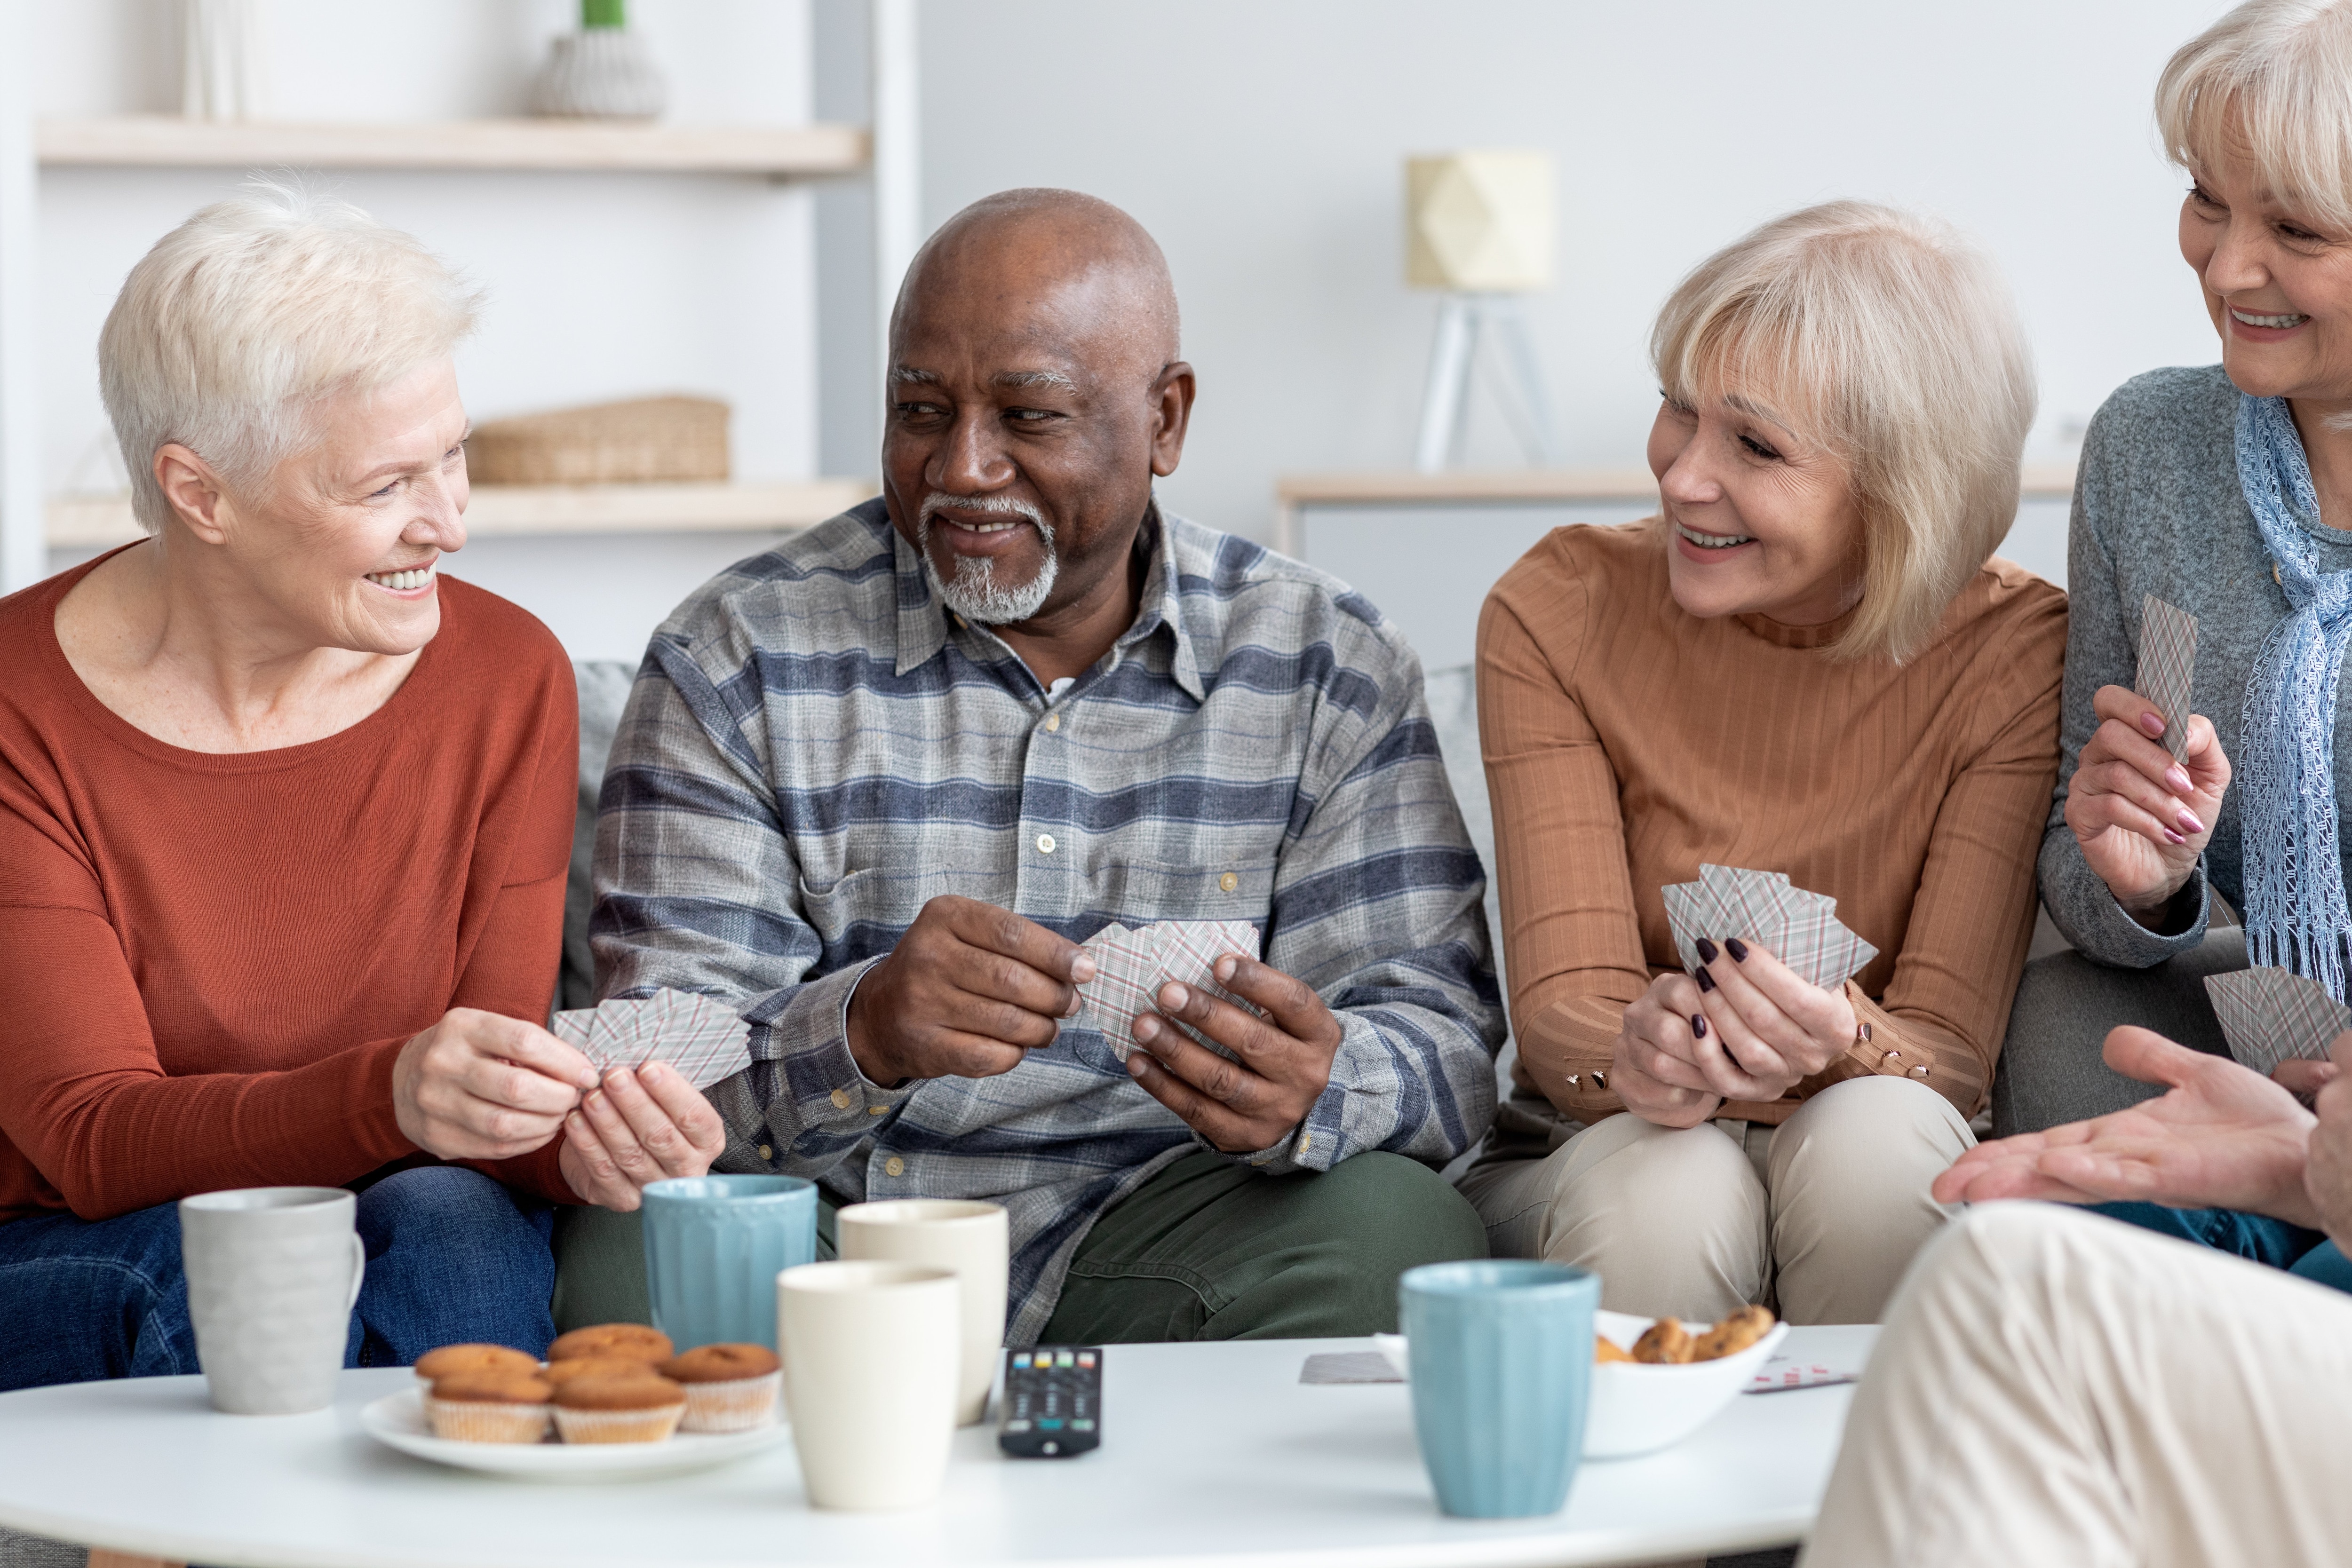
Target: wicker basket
x=647, y=441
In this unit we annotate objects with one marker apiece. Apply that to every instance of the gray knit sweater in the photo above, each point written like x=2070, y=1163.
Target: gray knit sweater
x=2158, y=510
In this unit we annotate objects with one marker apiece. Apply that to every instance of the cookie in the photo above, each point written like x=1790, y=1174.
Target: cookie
x=1605, y=1349
x=1664, y=1343
x=1734, y=1334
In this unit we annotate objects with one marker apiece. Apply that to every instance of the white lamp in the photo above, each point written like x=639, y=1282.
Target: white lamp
x=1479, y=225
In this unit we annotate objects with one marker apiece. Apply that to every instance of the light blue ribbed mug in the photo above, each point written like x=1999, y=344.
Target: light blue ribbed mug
x=714, y=1246
x=1501, y=1357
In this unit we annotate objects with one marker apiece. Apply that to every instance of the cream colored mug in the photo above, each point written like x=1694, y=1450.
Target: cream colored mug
x=870, y=1356
x=970, y=1239
x=273, y=1273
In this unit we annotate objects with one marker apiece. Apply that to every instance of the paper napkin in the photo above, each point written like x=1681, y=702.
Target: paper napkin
x=703, y=1039
x=1799, y=928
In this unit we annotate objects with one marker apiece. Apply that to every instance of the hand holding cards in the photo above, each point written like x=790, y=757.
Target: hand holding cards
x=2167, y=665
x=2148, y=785
x=1132, y=964
x=2270, y=1015
x=702, y=1039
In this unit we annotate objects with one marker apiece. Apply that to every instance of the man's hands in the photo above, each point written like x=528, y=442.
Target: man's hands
x=2141, y=818
x=1752, y=1029
x=640, y=1126
x=1285, y=1057
x=2223, y=1138
x=481, y=1086
x=2327, y=1158
x=967, y=992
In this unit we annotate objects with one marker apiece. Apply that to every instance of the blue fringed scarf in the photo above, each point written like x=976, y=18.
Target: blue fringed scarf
x=2296, y=911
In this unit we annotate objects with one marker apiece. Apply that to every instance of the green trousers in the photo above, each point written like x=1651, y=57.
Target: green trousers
x=1207, y=1248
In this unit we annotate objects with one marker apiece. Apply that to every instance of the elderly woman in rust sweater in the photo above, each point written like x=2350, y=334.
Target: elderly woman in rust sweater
x=285, y=817
x=1806, y=664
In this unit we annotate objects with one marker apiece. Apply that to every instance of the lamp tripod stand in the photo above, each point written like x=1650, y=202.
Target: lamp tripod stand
x=1462, y=319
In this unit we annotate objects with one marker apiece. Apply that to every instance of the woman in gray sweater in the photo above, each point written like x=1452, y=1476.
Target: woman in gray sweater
x=2225, y=491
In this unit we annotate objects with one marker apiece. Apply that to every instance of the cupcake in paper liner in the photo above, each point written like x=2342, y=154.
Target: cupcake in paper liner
x=453, y=1360
x=488, y=1407
x=641, y=1409
x=729, y=1387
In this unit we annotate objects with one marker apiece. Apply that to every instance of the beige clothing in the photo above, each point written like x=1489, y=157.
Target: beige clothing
x=1825, y=1211
x=2055, y=1388
x=1626, y=742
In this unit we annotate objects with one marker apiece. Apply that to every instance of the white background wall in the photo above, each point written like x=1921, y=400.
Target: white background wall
x=1263, y=145
x=601, y=286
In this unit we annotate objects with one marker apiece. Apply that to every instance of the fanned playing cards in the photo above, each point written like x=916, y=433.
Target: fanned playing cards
x=1799, y=928
x=2167, y=662
x=2270, y=1015
x=1131, y=964
x=703, y=1039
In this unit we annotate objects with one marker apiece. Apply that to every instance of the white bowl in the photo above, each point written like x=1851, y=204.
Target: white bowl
x=1638, y=1408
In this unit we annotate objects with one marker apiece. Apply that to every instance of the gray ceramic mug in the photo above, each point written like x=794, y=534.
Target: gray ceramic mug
x=273, y=1273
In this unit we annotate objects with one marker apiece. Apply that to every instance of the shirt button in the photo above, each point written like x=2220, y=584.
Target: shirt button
x=875, y=1110
x=1304, y=1140
x=894, y=1166
x=1053, y=722
x=1044, y=844
x=1229, y=882
x=767, y=1151
x=841, y=1099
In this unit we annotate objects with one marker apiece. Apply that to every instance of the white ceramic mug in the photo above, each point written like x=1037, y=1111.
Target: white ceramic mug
x=870, y=1353
x=969, y=1239
x=273, y=1273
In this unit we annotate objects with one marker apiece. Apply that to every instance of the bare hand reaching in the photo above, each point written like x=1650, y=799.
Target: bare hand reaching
x=481, y=1086
x=2141, y=818
x=2224, y=1136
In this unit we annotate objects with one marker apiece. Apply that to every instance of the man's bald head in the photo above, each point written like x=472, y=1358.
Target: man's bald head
x=1082, y=259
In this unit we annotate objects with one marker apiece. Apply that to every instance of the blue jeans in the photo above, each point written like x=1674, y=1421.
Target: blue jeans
x=452, y=1257
x=2258, y=1236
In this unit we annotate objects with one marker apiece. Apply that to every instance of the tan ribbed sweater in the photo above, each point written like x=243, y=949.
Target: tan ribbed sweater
x=1626, y=742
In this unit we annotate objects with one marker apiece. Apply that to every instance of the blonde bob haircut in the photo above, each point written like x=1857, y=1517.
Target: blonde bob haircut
x=2274, y=78
x=1891, y=340
x=229, y=334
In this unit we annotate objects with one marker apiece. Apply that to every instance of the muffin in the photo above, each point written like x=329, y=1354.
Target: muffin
x=452, y=1359
x=489, y=1407
x=729, y=1387
x=638, y=1407
x=633, y=1341
x=560, y=1373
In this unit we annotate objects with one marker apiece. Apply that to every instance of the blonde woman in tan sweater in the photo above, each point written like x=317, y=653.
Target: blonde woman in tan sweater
x=1807, y=664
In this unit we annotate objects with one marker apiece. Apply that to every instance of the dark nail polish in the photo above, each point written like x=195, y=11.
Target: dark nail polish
x=1707, y=950
x=1698, y=1025
x=1736, y=948
x=1706, y=981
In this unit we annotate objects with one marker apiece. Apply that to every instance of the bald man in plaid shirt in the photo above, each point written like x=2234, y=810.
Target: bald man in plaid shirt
x=877, y=785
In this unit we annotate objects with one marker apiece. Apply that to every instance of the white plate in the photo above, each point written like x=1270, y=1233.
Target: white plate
x=397, y=1420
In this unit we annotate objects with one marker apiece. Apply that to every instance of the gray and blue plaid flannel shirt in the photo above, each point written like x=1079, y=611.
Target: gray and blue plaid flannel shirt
x=815, y=748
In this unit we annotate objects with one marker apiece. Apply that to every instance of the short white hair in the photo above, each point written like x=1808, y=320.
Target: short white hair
x=2276, y=76
x=1896, y=344
x=229, y=332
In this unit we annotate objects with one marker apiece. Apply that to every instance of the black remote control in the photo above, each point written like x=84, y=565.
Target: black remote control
x=1052, y=1402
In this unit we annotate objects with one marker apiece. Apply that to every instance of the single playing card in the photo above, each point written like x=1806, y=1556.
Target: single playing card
x=2167, y=664
x=1130, y=966
x=703, y=1040
x=2270, y=1015
x=1785, y=1372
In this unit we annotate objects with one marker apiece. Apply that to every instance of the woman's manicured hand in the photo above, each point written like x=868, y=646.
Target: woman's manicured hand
x=2141, y=818
x=1771, y=1026
x=482, y=1086
x=1655, y=1068
x=640, y=1126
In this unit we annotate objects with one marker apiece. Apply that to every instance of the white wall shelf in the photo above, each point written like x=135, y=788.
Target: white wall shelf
x=507, y=511
x=169, y=142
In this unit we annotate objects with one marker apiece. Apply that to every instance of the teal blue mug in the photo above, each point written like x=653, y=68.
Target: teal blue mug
x=714, y=1246
x=1501, y=1357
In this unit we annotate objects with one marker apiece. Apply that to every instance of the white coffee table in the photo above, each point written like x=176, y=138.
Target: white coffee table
x=1213, y=1454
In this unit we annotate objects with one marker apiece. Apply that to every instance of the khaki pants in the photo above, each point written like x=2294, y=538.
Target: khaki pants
x=2057, y=1388
x=1696, y=1221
